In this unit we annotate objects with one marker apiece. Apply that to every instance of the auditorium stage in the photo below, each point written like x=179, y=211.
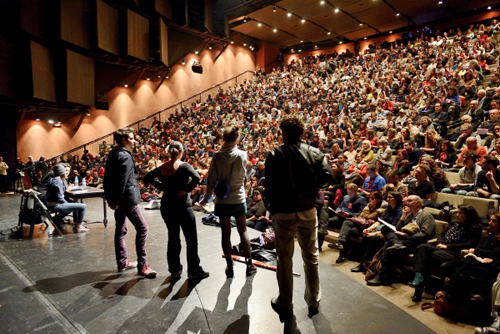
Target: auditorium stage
x=70, y=285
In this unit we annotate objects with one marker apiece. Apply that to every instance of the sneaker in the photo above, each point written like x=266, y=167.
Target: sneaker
x=199, y=274
x=81, y=229
x=146, y=271
x=284, y=313
x=128, y=265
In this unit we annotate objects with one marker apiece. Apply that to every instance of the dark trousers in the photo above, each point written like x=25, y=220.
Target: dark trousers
x=4, y=186
x=135, y=216
x=348, y=229
x=371, y=245
x=428, y=256
x=177, y=219
x=389, y=261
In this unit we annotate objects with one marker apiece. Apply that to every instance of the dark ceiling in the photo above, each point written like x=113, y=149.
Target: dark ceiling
x=290, y=23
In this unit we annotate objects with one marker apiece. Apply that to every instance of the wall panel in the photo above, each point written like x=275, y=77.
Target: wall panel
x=80, y=78
x=75, y=22
x=163, y=42
x=108, y=35
x=137, y=36
x=42, y=65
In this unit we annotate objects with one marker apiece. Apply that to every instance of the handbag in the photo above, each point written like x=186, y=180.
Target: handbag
x=441, y=305
x=410, y=228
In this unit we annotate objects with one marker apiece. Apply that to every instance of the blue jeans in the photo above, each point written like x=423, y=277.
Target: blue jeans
x=78, y=208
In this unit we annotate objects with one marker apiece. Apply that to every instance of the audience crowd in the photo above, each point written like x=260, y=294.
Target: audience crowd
x=391, y=121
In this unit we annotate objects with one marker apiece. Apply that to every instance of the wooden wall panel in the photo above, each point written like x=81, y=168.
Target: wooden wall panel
x=137, y=36
x=164, y=7
x=163, y=42
x=42, y=65
x=75, y=22
x=80, y=78
x=108, y=35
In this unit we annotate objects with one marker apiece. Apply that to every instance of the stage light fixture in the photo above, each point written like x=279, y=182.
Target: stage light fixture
x=489, y=7
x=397, y=14
x=303, y=21
x=275, y=30
x=336, y=10
x=274, y=9
x=37, y=118
x=51, y=120
x=259, y=24
x=125, y=85
x=59, y=120
x=289, y=14
x=183, y=62
x=148, y=78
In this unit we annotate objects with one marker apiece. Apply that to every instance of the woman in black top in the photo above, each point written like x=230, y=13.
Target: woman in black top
x=177, y=179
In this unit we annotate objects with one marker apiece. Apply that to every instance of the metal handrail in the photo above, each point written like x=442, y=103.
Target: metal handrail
x=149, y=117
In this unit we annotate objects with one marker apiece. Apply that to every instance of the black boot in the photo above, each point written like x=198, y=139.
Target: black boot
x=251, y=269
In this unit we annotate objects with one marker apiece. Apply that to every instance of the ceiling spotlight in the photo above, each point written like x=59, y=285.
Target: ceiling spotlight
x=274, y=9
x=316, y=46
x=232, y=42
x=37, y=118
x=51, y=120
x=244, y=44
x=397, y=14
x=340, y=42
x=328, y=33
x=336, y=10
x=322, y=2
x=365, y=37
x=360, y=24
x=259, y=24
x=289, y=14
x=59, y=120
x=148, y=78
x=440, y=3
x=301, y=41
x=274, y=30
x=210, y=48
x=57, y=125
x=303, y=21
x=390, y=32
x=183, y=62
x=245, y=20
x=125, y=85
x=167, y=77
x=300, y=50
x=158, y=76
x=196, y=52
x=291, y=50
x=489, y=7
x=88, y=112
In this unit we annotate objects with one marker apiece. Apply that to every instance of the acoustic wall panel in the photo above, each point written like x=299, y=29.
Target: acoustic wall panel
x=42, y=66
x=75, y=22
x=80, y=78
x=164, y=7
x=108, y=36
x=163, y=42
x=137, y=36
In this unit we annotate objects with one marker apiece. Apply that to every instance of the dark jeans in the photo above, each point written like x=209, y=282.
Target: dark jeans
x=258, y=224
x=177, y=219
x=4, y=187
x=389, y=261
x=348, y=229
x=429, y=256
x=135, y=216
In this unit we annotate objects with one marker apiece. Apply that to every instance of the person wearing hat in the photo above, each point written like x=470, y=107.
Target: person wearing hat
x=256, y=213
x=55, y=200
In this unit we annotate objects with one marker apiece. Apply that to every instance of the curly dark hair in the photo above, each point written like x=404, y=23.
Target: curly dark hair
x=293, y=126
x=122, y=133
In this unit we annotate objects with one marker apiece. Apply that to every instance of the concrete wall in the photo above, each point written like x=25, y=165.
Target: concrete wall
x=128, y=105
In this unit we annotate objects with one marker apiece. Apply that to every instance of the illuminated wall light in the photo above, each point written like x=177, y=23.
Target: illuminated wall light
x=397, y=14
x=365, y=37
x=340, y=42
x=274, y=9
x=289, y=14
x=232, y=42
x=336, y=10
x=440, y=3
x=59, y=120
x=125, y=84
x=37, y=118
x=390, y=32
x=57, y=125
x=360, y=24
x=245, y=20
x=51, y=120
x=316, y=46
x=244, y=44
x=322, y=2
x=300, y=50
x=291, y=50
x=158, y=76
x=88, y=113
x=301, y=41
x=489, y=7
x=210, y=48
x=183, y=62
x=148, y=78
x=303, y=21
x=259, y=24
x=328, y=33
x=274, y=30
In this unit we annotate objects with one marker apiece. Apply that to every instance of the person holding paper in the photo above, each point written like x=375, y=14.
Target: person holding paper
x=405, y=239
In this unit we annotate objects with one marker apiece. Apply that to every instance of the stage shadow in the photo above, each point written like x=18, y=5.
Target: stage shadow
x=61, y=284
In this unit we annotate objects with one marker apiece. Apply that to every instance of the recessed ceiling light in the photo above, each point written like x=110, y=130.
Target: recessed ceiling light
x=244, y=20
x=489, y=7
x=329, y=33
x=365, y=37
x=196, y=52
x=274, y=9
x=315, y=46
x=397, y=14
x=232, y=42
x=289, y=14
x=274, y=30
x=360, y=24
x=210, y=48
x=322, y=2
x=259, y=24
x=300, y=50
x=390, y=32
x=303, y=20
x=336, y=10
x=440, y=3
x=301, y=41
x=340, y=42
x=244, y=44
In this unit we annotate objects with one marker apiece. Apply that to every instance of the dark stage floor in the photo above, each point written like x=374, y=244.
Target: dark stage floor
x=70, y=285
